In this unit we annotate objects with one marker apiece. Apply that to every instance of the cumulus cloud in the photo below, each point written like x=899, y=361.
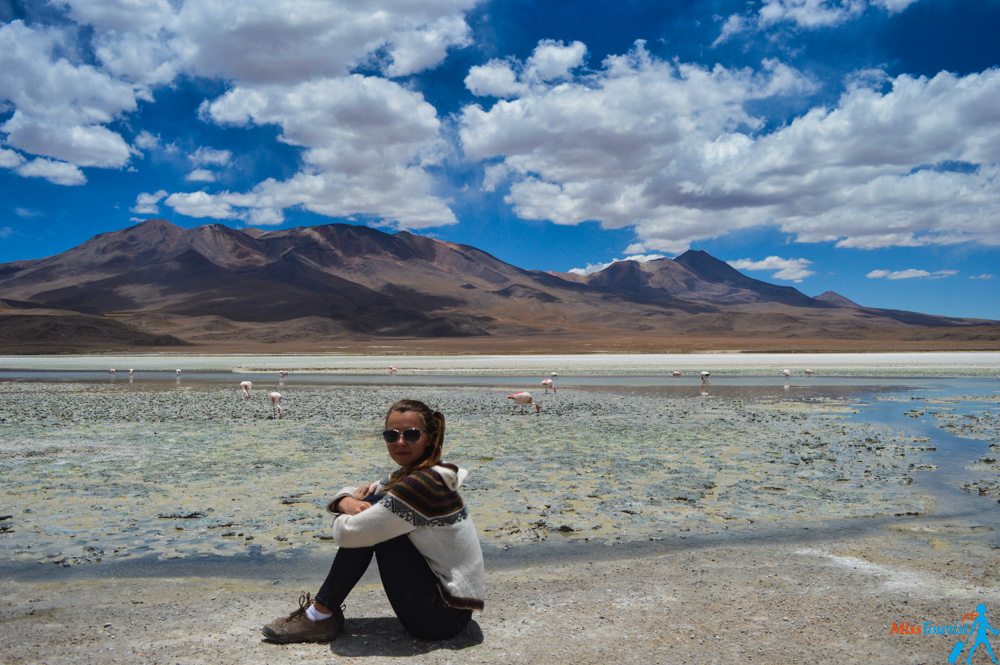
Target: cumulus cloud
x=673, y=151
x=367, y=142
x=10, y=159
x=146, y=141
x=792, y=270
x=201, y=204
x=591, y=268
x=61, y=109
x=550, y=61
x=59, y=173
x=147, y=204
x=66, y=110
x=910, y=273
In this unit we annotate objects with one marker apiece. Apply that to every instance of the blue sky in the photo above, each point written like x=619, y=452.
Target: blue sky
x=846, y=145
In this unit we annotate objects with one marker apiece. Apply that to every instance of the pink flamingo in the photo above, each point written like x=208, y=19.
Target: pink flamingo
x=392, y=369
x=786, y=373
x=677, y=373
x=523, y=398
x=112, y=371
x=283, y=373
x=131, y=371
x=275, y=398
x=808, y=372
x=549, y=385
x=704, y=376
x=246, y=386
x=177, y=372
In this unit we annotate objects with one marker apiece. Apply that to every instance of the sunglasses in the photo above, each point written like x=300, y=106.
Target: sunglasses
x=411, y=435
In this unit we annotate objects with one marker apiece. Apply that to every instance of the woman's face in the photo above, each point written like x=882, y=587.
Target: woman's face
x=403, y=453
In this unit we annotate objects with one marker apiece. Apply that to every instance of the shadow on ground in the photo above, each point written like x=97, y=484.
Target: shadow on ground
x=385, y=636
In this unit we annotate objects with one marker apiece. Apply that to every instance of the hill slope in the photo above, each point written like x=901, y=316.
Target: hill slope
x=216, y=284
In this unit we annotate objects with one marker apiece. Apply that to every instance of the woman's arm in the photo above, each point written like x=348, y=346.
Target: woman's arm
x=369, y=527
x=349, y=501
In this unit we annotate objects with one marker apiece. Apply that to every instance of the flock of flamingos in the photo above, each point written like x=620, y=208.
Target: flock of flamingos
x=522, y=398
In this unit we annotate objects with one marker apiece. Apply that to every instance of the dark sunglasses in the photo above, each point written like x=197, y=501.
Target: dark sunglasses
x=411, y=435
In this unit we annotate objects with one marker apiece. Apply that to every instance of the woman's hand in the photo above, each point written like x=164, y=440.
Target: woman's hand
x=350, y=505
x=364, y=490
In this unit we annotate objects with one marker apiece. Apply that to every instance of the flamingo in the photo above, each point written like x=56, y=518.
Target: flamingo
x=245, y=386
x=523, y=398
x=392, y=369
x=704, y=376
x=808, y=372
x=112, y=371
x=177, y=372
x=548, y=385
x=283, y=373
x=281, y=412
x=131, y=371
x=677, y=373
x=786, y=373
x=275, y=398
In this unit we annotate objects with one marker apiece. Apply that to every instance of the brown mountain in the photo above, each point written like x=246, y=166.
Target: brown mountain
x=343, y=286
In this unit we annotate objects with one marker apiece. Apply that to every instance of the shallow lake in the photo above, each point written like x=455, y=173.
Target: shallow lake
x=100, y=469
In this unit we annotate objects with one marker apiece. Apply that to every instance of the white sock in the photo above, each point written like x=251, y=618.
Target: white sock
x=316, y=615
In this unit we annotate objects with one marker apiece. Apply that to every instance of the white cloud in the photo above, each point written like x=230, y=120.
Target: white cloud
x=673, y=151
x=147, y=141
x=10, y=159
x=26, y=213
x=591, y=268
x=148, y=204
x=200, y=204
x=733, y=25
x=366, y=144
x=6, y=231
x=200, y=175
x=211, y=156
x=60, y=108
x=804, y=14
x=64, y=109
x=550, y=61
x=809, y=13
x=493, y=175
x=59, y=173
x=792, y=270
x=496, y=78
x=985, y=276
x=910, y=273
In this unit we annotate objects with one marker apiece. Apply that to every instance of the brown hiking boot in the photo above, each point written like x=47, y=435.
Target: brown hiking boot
x=297, y=627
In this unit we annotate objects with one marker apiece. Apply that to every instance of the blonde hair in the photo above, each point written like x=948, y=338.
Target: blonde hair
x=433, y=423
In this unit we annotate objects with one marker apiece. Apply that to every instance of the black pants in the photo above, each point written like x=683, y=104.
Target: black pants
x=408, y=581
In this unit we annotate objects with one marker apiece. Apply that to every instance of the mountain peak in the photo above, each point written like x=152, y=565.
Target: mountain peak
x=834, y=298
x=706, y=266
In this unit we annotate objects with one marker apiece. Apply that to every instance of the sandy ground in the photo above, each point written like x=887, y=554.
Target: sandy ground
x=804, y=599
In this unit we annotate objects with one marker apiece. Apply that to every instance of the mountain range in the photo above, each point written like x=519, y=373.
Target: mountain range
x=344, y=287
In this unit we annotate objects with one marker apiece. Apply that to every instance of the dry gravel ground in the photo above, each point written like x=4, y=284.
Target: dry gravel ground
x=815, y=601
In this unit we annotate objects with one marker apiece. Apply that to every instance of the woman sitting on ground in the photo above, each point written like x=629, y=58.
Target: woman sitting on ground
x=417, y=527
